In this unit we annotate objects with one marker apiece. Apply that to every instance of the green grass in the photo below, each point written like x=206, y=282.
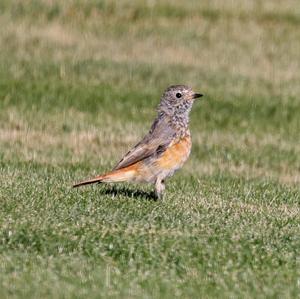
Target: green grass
x=79, y=83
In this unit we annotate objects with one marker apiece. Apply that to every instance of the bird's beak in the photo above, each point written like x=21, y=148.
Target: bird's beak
x=197, y=95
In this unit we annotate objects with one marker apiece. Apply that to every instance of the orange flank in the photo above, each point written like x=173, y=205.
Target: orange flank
x=176, y=154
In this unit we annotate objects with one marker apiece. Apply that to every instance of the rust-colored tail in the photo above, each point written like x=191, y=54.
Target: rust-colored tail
x=120, y=175
x=97, y=179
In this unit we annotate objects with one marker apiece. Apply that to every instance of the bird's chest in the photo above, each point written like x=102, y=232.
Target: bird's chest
x=176, y=154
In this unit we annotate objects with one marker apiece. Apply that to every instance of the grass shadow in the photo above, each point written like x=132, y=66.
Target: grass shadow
x=128, y=192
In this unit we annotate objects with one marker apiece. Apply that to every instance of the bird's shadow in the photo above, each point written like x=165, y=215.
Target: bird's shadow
x=128, y=192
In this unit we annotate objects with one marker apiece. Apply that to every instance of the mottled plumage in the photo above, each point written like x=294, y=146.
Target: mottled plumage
x=164, y=149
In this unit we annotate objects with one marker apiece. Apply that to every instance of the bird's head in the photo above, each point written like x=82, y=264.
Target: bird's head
x=178, y=99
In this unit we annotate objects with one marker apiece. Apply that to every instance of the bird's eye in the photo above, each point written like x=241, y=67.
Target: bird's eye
x=178, y=95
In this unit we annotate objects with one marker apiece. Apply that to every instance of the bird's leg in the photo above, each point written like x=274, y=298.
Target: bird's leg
x=159, y=188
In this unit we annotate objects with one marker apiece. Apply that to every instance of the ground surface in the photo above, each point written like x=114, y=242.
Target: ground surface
x=79, y=82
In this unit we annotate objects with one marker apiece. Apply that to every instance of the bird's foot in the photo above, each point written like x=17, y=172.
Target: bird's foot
x=159, y=189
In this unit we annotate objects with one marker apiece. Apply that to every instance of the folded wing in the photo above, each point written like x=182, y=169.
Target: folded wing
x=154, y=143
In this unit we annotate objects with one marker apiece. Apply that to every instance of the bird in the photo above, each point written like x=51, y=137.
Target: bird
x=163, y=150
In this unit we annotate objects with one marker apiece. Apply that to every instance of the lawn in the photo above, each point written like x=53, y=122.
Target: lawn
x=79, y=84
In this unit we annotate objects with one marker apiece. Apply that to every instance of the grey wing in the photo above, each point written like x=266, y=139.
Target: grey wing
x=156, y=141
